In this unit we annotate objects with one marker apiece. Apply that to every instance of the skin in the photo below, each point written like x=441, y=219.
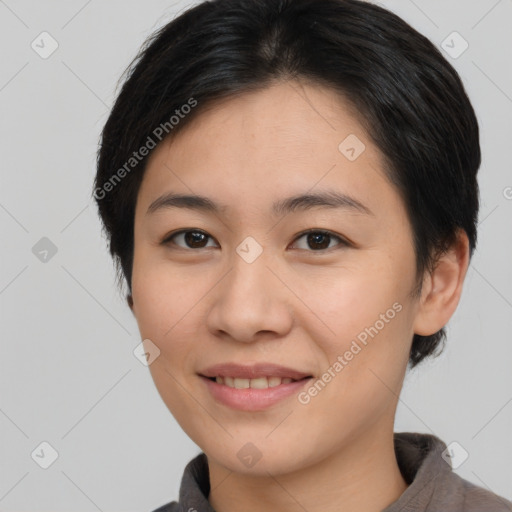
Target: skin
x=295, y=305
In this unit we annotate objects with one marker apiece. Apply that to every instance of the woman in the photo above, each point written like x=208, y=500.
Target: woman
x=289, y=189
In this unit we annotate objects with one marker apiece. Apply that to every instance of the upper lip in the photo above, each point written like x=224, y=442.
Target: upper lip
x=252, y=371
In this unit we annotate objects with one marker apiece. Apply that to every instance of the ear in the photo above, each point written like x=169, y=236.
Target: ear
x=442, y=288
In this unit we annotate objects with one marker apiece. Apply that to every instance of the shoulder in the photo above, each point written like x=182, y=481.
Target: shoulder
x=426, y=465
x=455, y=494
x=478, y=499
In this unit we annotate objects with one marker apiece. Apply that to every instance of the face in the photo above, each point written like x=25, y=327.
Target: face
x=238, y=281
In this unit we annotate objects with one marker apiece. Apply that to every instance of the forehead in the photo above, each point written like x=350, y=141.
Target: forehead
x=289, y=136
x=291, y=118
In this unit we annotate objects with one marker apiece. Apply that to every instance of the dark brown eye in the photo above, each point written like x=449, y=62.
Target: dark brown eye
x=195, y=238
x=317, y=240
x=192, y=239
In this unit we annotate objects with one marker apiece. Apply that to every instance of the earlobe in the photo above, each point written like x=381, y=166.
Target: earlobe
x=443, y=288
x=129, y=300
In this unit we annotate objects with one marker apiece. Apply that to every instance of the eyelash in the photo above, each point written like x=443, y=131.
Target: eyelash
x=341, y=242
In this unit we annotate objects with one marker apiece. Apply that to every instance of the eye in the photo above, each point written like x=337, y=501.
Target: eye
x=191, y=238
x=319, y=240
x=315, y=240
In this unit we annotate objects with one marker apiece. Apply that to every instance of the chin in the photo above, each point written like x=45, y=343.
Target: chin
x=256, y=459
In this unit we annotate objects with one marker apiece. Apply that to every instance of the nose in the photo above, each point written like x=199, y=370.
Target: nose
x=249, y=303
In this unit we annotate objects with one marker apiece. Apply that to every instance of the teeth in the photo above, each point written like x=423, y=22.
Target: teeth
x=259, y=383
x=242, y=383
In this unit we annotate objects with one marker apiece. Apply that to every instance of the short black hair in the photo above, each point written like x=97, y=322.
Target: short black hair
x=410, y=100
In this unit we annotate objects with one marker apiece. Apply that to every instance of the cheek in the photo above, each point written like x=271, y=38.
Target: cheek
x=169, y=308
x=368, y=338
x=350, y=299
x=365, y=366
x=163, y=295
x=164, y=301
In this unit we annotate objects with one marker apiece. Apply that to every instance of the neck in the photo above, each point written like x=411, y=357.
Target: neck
x=362, y=476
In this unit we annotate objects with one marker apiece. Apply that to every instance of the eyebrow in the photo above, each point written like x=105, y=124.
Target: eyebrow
x=302, y=202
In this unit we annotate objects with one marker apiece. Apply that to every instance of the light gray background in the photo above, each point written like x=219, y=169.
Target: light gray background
x=68, y=373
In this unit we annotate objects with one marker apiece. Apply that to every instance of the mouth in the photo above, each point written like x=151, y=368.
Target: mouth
x=253, y=387
x=252, y=395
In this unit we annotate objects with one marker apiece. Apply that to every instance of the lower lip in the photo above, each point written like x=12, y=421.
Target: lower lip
x=252, y=399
